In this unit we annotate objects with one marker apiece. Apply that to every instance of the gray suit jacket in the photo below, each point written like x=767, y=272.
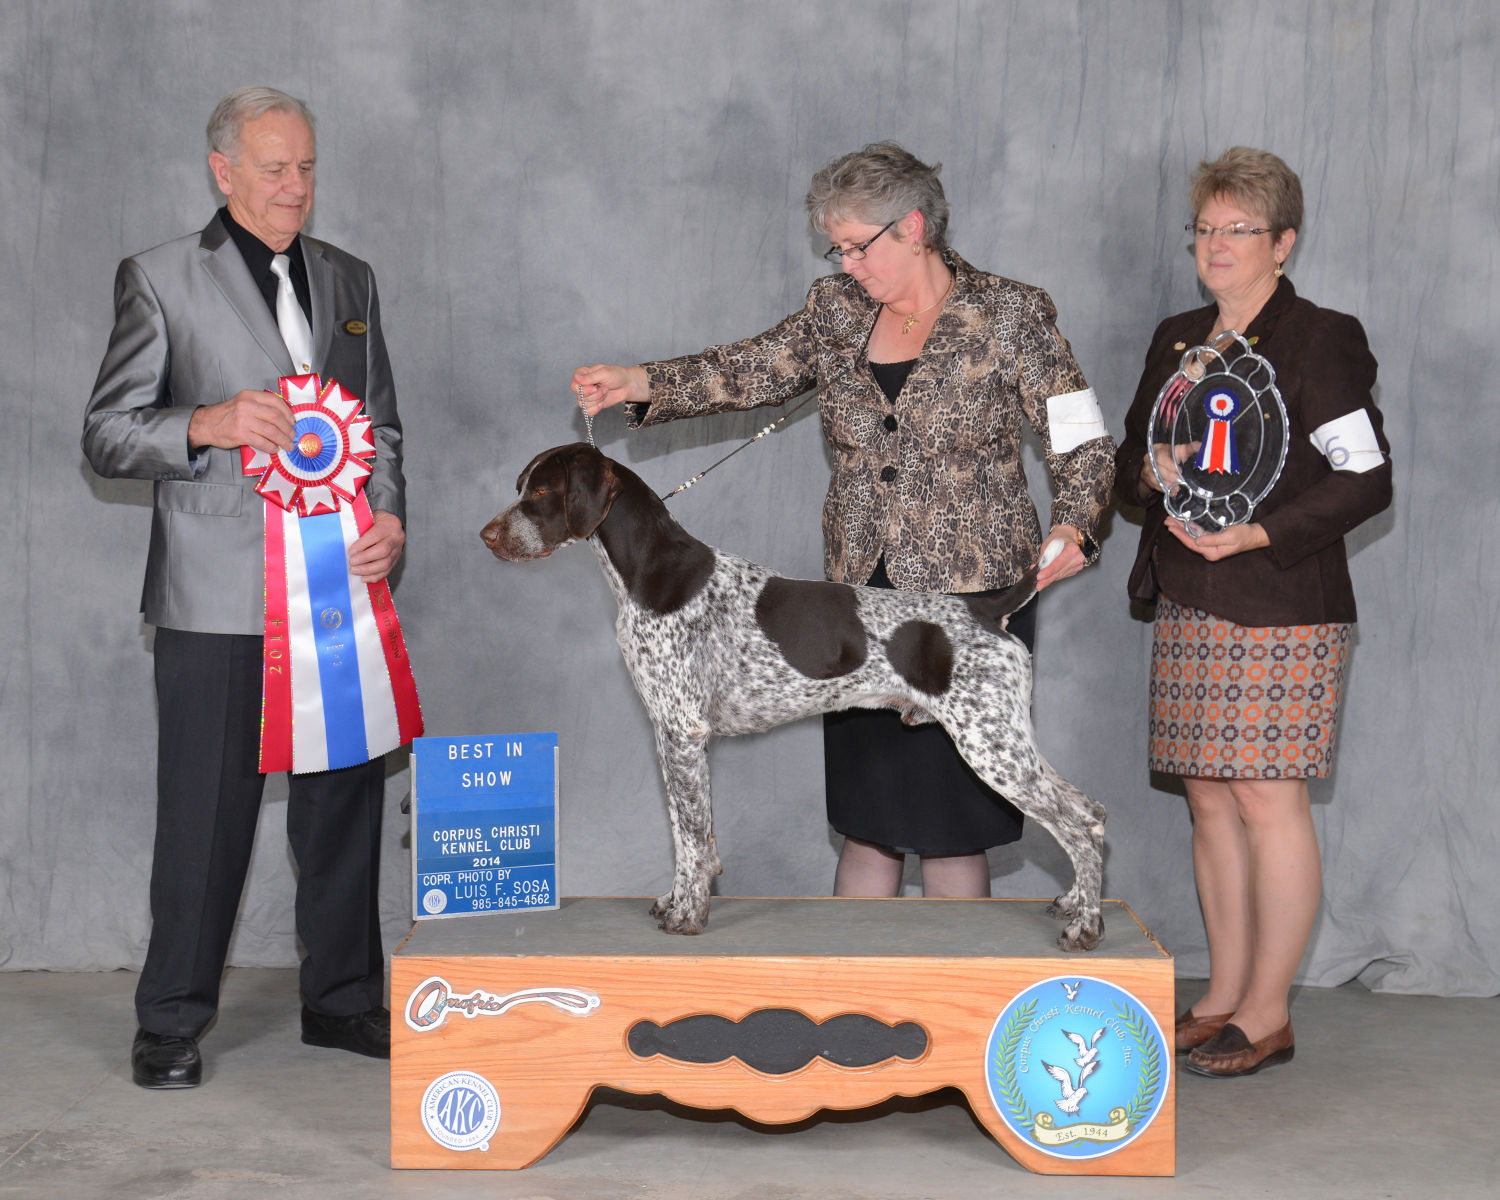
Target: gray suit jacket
x=191, y=328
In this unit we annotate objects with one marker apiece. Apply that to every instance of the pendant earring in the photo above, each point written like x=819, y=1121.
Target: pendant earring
x=1278, y=271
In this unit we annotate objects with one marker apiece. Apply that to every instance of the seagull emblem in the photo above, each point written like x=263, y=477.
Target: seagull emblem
x=1088, y=1051
x=1071, y=1097
x=1072, y=991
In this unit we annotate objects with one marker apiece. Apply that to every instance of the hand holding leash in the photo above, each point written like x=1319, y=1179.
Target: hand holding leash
x=606, y=384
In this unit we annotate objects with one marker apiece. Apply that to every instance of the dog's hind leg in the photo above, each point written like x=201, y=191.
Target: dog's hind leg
x=1007, y=759
x=1084, y=843
x=684, y=768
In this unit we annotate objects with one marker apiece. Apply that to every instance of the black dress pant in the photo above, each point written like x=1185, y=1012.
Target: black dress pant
x=208, y=692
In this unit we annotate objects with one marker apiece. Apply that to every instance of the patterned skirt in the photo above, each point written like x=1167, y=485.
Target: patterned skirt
x=1233, y=702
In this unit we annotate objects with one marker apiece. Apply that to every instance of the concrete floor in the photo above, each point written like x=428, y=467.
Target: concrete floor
x=1389, y=1096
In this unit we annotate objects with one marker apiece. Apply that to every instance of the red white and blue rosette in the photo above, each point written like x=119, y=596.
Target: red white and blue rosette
x=338, y=687
x=330, y=459
x=1218, y=452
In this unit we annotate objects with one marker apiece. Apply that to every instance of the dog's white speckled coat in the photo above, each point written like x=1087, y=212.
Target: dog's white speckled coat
x=719, y=645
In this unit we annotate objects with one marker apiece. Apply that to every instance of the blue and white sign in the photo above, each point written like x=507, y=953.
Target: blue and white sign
x=1077, y=1066
x=484, y=824
x=461, y=1110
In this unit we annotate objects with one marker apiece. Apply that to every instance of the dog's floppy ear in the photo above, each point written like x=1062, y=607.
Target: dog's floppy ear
x=530, y=467
x=591, y=488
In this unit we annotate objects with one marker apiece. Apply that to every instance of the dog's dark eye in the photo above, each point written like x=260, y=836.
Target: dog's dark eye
x=538, y=491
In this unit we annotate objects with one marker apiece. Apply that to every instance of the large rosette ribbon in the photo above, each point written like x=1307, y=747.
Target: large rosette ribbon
x=1218, y=452
x=338, y=688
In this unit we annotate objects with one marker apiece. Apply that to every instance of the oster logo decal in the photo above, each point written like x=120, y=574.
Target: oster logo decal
x=433, y=999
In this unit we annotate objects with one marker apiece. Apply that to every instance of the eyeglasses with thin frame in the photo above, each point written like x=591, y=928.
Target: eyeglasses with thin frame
x=1239, y=230
x=837, y=254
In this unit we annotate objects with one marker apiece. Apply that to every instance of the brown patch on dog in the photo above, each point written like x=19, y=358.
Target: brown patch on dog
x=922, y=655
x=815, y=625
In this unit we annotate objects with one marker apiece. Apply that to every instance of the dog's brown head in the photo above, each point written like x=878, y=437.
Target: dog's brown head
x=563, y=495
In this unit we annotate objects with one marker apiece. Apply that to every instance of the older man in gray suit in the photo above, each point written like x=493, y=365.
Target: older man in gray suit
x=204, y=325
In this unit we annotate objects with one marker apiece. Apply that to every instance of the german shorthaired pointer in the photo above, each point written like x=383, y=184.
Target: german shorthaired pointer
x=719, y=645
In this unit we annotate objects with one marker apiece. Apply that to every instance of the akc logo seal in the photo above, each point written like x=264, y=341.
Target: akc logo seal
x=461, y=1110
x=1077, y=1066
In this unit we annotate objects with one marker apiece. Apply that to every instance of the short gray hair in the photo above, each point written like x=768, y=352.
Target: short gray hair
x=879, y=184
x=1257, y=180
x=245, y=104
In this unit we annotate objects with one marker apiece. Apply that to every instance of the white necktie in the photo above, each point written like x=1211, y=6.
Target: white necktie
x=295, y=331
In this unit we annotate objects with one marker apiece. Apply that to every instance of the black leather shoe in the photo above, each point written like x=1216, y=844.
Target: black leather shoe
x=158, y=1060
x=363, y=1033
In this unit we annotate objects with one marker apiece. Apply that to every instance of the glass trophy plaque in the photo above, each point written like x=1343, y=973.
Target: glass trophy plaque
x=1222, y=421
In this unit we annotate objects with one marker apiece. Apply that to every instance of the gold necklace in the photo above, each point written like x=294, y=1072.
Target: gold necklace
x=911, y=318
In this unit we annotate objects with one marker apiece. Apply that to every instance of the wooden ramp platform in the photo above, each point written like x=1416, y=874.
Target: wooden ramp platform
x=501, y=1026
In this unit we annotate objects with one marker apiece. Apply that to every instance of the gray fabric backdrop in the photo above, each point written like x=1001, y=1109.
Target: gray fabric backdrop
x=543, y=184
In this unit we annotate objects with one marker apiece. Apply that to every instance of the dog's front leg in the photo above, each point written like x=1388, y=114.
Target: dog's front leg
x=684, y=768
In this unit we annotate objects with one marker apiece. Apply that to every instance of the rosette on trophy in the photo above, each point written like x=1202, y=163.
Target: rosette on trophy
x=1223, y=421
x=337, y=684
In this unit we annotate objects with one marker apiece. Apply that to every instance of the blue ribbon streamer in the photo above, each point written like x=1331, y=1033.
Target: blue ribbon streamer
x=327, y=562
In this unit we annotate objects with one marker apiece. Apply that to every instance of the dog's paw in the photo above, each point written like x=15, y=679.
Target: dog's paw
x=683, y=921
x=662, y=907
x=1060, y=909
x=1080, y=935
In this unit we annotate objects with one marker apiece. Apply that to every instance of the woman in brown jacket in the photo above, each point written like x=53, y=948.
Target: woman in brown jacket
x=1254, y=622
x=926, y=371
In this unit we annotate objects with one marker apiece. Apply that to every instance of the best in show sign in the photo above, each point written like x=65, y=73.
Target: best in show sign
x=484, y=824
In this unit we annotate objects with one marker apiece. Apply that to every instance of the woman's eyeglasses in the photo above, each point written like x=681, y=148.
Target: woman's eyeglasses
x=837, y=254
x=1239, y=230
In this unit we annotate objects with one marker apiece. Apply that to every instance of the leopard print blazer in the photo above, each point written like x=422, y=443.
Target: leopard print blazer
x=935, y=482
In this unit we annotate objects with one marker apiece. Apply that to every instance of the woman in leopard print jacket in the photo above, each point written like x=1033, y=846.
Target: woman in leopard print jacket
x=926, y=371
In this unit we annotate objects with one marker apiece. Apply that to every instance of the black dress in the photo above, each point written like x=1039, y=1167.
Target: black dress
x=902, y=787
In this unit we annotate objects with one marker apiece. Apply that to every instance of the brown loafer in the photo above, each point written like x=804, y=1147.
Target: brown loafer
x=1194, y=1031
x=1229, y=1052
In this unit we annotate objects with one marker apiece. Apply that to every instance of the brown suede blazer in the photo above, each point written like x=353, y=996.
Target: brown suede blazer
x=1324, y=370
x=935, y=482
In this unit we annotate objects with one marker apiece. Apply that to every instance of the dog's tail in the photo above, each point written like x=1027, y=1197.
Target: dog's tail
x=992, y=611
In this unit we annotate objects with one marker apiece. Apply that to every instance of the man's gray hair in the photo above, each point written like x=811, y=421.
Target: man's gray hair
x=878, y=184
x=245, y=104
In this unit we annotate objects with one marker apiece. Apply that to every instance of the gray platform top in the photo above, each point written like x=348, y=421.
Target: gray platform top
x=619, y=927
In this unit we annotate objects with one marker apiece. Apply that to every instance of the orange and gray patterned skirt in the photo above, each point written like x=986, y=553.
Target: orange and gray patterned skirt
x=1233, y=702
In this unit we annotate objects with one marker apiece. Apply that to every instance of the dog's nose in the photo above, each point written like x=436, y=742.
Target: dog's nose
x=491, y=534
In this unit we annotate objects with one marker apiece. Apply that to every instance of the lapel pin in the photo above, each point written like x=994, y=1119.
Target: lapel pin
x=355, y=327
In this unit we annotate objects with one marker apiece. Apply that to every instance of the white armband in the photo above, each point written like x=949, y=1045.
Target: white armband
x=1072, y=419
x=1349, y=443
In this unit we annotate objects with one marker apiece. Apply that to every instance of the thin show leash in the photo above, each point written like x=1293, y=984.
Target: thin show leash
x=588, y=419
x=588, y=423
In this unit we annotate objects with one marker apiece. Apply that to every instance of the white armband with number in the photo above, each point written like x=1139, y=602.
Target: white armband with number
x=1072, y=419
x=1349, y=443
